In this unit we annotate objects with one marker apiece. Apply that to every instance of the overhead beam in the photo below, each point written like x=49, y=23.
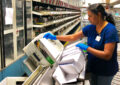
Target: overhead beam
x=107, y=1
x=115, y=3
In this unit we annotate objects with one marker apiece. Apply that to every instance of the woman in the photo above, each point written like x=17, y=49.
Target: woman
x=102, y=45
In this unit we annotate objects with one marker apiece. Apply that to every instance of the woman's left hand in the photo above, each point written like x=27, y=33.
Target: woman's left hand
x=82, y=46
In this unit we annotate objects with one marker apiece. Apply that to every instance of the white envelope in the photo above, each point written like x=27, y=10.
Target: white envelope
x=62, y=78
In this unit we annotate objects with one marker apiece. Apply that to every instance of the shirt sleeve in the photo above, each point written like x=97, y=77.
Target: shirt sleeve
x=111, y=35
x=85, y=30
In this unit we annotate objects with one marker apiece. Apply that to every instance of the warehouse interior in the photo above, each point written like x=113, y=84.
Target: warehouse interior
x=25, y=57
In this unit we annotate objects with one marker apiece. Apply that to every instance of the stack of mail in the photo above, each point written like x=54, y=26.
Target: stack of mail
x=43, y=51
x=61, y=77
x=70, y=66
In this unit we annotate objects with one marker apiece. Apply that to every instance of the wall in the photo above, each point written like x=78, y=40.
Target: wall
x=15, y=69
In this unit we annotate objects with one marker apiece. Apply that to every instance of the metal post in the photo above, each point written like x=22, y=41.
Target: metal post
x=2, y=50
x=25, y=22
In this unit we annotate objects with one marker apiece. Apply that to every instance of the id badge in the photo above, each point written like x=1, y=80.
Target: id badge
x=98, y=38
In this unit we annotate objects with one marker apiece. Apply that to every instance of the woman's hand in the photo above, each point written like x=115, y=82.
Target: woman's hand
x=82, y=46
x=50, y=36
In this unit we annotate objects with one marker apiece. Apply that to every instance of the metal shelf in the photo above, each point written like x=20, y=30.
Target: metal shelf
x=37, y=0
x=66, y=24
x=44, y=13
x=70, y=28
x=12, y=30
x=54, y=22
x=58, y=4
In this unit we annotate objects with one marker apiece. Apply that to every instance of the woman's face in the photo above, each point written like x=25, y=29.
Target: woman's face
x=93, y=18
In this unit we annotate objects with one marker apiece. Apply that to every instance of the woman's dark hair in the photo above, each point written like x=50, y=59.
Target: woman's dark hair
x=96, y=8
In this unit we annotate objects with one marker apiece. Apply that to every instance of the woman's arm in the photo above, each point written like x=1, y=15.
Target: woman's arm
x=106, y=54
x=71, y=37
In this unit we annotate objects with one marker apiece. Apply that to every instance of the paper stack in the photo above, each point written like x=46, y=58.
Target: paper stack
x=43, y=51
x=71, y=65
x=61, y=77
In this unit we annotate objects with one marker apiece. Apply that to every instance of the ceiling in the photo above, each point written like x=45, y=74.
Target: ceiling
x=84, y=3
x=113, y=2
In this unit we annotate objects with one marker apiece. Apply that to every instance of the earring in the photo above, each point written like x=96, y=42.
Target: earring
x=104, y=17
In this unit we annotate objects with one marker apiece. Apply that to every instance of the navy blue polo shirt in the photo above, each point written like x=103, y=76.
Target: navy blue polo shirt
x=96, y=65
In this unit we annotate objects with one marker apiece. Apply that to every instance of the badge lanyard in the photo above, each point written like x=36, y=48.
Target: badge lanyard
x=98, y=38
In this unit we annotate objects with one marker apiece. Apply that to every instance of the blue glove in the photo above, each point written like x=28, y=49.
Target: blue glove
x=50, y=36
x=82, y=46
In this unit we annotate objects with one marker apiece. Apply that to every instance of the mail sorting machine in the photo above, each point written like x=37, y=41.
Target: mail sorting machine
x=53, y=64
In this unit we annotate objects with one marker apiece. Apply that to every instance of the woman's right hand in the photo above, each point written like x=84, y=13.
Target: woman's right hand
x=50, y=36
